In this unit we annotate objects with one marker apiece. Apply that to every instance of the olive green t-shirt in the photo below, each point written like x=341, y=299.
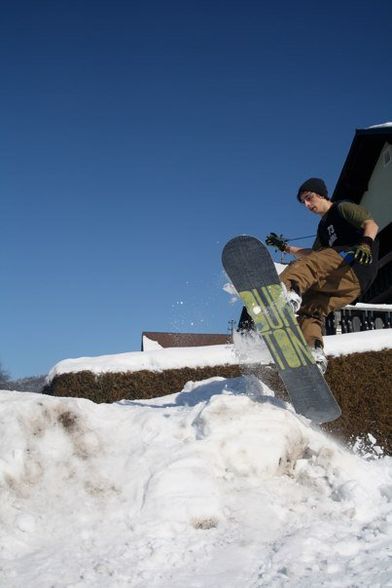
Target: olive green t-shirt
x=354, y=214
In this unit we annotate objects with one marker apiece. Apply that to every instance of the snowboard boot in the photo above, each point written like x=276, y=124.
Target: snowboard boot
x=293, y=296
x=320, y=357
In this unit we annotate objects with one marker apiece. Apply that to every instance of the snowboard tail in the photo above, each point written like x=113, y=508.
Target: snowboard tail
x=252, y=272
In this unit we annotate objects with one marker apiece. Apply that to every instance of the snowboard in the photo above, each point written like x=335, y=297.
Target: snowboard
x=252, y=272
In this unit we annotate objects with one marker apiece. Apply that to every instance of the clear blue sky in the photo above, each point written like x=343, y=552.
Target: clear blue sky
x=138, y=137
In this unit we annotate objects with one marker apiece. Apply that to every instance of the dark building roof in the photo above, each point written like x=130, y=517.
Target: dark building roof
x=187, y=339
x=361, y=159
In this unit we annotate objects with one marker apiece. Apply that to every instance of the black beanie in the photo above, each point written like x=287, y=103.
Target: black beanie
x=316, y=185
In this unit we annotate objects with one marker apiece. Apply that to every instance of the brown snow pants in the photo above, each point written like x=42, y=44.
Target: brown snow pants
x=326, y=283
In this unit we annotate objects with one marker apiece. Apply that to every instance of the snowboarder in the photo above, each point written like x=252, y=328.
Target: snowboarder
x=337, y=270
x=253, y=274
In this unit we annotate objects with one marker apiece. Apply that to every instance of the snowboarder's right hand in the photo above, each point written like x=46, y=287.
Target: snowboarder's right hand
x=277, y=241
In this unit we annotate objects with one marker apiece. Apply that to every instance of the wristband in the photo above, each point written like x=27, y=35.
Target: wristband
x=367, y=241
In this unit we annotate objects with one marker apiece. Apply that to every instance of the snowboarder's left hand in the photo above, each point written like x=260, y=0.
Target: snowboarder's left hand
x=363, y=251
x=278, y=241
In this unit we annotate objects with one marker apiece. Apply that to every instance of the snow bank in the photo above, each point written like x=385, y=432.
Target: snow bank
x=193, y=357
x=156, y=360
x=377, y=340
x=219, y=485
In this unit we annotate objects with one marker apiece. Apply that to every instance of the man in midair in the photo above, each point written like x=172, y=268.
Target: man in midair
x=337, y=270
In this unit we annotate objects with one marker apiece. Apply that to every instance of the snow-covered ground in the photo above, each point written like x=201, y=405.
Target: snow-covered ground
x=220, y=484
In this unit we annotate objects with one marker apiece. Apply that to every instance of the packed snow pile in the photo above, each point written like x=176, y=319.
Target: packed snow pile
x=218, y=485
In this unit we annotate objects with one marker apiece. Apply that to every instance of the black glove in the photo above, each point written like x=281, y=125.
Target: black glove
x=363, y=251
x=278, y=241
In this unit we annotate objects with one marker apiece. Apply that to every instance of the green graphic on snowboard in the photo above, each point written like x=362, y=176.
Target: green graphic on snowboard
x=276, y=322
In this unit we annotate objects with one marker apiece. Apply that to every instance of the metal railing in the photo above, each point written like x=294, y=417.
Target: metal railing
x=352, y=319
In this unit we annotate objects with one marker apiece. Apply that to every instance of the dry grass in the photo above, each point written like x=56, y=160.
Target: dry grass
x=362, y=384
